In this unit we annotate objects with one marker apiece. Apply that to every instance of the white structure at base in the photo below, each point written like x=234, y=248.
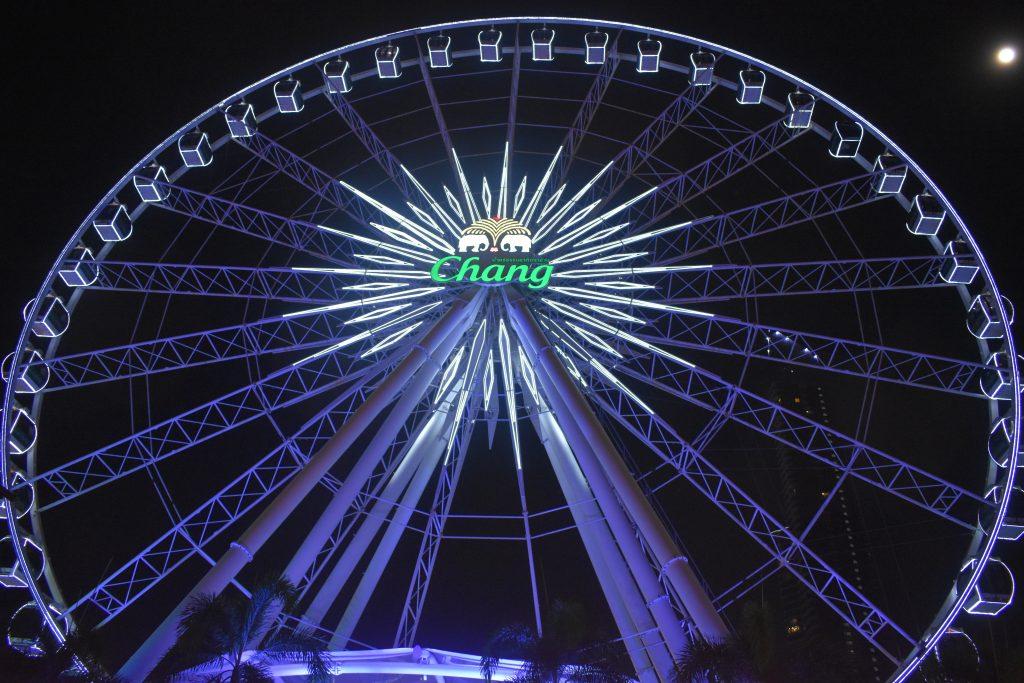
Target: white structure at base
x=408, y=661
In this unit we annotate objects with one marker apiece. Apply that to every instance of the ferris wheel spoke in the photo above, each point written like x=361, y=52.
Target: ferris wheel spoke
x=320, y=372
x=444, y=494
x=513, y=95
x=722, y=334
x=379, y=152
x=303, y=236
x=268, y=335
x=435, y=105
x=588, y=109
x=195, y=531
x=671, y=194
x=434, y=445
x=662, y=370
x=670, y=245
x=317, y=182
x=282, y=284
x=695, y=283
x=763, y=218
x=612, y=395
x=276, y=334
x=381, y=489
x=640, y=150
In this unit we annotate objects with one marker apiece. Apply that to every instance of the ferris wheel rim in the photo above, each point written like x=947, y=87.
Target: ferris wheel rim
x=962, y=229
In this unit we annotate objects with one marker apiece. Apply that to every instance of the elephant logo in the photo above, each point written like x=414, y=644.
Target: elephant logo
x=496, y=235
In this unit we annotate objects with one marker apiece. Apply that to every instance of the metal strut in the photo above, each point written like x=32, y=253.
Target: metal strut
x=435, y=343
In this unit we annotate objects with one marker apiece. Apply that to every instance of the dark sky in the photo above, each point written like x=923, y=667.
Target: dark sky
x=89, y=92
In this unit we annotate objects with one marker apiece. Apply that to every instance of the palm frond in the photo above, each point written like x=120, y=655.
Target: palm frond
x=719, y=661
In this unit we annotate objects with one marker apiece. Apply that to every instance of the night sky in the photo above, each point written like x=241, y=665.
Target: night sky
x=89, y=93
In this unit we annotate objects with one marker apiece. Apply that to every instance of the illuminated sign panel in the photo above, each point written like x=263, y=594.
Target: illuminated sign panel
x=493, y=245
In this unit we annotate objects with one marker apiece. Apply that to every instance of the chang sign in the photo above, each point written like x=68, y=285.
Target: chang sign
x=488, y=255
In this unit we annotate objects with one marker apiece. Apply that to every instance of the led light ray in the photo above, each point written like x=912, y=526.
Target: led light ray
x=531, y=207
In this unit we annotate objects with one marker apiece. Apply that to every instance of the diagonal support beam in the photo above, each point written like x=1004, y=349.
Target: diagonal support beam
x=663, y=371
x=196, y=530
x=301, y=235
x=319, y=183
x=673, y=193
x=722, y=334
x=585, y=115
x=846, y=356
x=268, y=335
x=430, y=545
x=769, y=216
x=382, y=488
x=838, y=593
x=680, y=575
x=287, y=386
x=282, y=284
x=435, y=105
x=688, y=284
x=432, y=345
x=379, y=152
x=629, y=161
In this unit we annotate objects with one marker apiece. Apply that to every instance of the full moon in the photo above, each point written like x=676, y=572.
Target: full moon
x=1006, y=55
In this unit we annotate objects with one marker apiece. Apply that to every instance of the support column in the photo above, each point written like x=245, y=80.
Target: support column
x=369, y=527
x=593, y=444
x=641, y=636
x=430, y=453
x=357, y=547
x=658, y=601
x=435, y=345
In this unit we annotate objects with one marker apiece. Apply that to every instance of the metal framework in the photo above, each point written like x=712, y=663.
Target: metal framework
x=618, y=324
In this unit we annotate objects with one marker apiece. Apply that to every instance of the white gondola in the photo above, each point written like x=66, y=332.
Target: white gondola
x=1000, y=440
x=149, y=183
x=195, y=149
x=336, y=76
x=846, y=139
x=21, y=431
x=983, y=318
x=543, y=40
x=997, y=380
x=288, y=94
x=702, y=68
x=927, y=215
x=596, y=47
x=53, y=317
x=439, y=50
x=994, y=590
x=22, y=496
x=80, y=268
x=112, y=223
x=27, y=632
x=388, y=64
x=490, y=45
x=12, y=570
x=959, y=269
x=33, y=376
x=890, y=173
x=241, y=120
x=751, y=86
x=799, y=109
x=648, y=56
x=1012, y=528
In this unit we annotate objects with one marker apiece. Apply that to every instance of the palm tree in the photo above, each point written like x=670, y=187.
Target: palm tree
x=75, y=659
x=724, y=661
x=562, y=653
x=215, y=631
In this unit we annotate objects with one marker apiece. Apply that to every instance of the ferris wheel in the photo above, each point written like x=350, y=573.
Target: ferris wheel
x=626, y=286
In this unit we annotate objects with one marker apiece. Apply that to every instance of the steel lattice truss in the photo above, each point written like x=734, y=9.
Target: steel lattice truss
x=373, y=362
